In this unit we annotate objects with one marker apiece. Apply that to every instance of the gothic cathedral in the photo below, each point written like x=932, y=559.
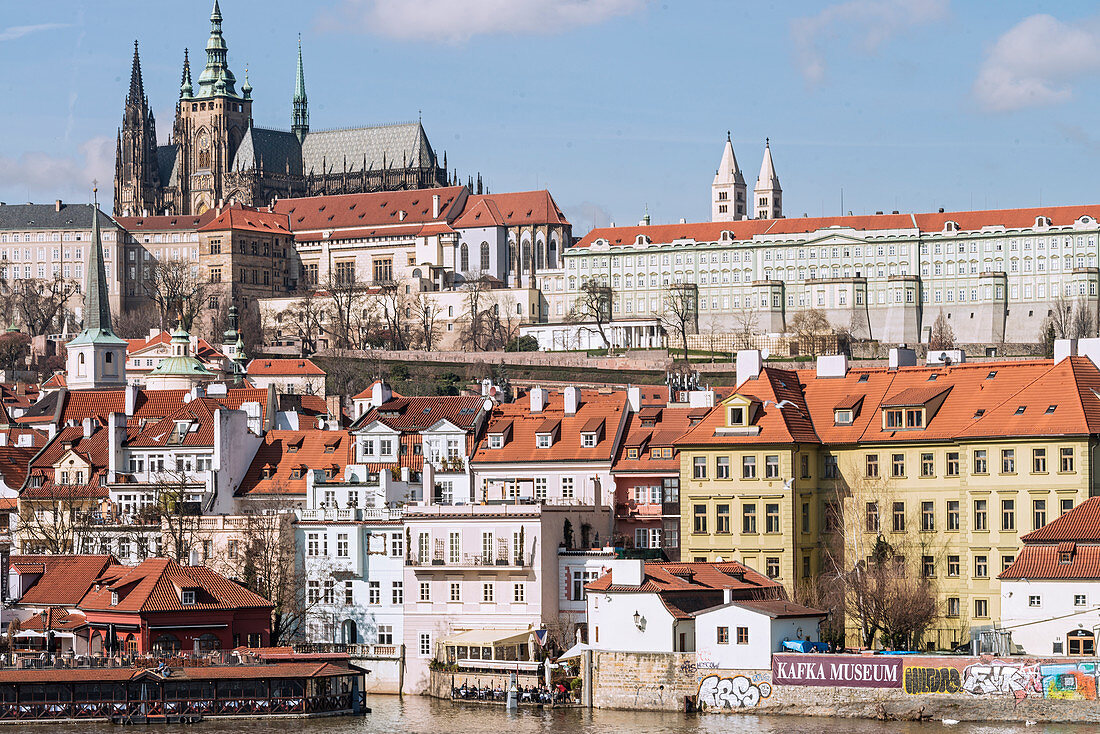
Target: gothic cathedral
x=217, y=155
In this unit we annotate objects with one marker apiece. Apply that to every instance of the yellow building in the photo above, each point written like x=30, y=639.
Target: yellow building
x=798, y=474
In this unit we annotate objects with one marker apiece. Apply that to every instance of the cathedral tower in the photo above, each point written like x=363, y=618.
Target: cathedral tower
x=300, y=124
x=768, y=195
x=729, y=191
x=137, y=175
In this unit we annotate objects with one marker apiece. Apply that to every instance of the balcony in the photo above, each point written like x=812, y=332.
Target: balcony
x=646, y=510
x=356, y=650
x=349, y=514
x=467, y=561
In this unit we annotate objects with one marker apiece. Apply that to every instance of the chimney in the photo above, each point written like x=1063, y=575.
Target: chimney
x=572, y=399
x=86, y=424
x=1064, y=348
x=538, y=399
x=634, y=398
x=1088, y=348
x=131, y=400
x=153, y=331
x=630, y=572
x=57, y=205
x=749, y=364
x=380, y=392
x=902, y=356
x=834, y=365
x=683, y=220
x=4, y=438
x=435, y=206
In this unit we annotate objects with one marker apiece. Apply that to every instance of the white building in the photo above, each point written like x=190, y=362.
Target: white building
x=744, y=634
x=1050, y=595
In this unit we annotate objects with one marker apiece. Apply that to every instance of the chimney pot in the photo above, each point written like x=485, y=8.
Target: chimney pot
x=57, y=205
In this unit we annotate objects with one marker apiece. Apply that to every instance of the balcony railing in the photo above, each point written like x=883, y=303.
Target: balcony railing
x=472, y=560
x=350, y=514
x=357, y=650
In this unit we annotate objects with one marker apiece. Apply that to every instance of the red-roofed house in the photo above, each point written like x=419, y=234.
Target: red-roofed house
x=1050, y=595
x=145, y=355
x=296, y=376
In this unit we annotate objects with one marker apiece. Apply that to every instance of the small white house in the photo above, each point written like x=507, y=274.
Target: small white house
x=744, y=634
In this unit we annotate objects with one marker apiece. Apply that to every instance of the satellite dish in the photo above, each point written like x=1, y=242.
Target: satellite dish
x=188, y=397
x=320, y=422
x=764, y=353
x=487, y=405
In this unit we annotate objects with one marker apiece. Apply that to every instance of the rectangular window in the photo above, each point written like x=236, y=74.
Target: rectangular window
x=805, y=517
x=981, y=608
x=748, y=517
x=1008, y=461
x=981, y=567
x=954, y=566
x=567, y=488
x=771, y=567
x=341, y=545
x=1008, y=514
x=981, y=512
x=456, y=591
x=954, y=606
x=953, y=463
x=425, y=591
x=898, y=518
x=771, y=517
x=1038, y=514
x=487, y=592
x=897, y=465
x=771, y=466
x=519, y=592
x=722, y=519
x=748, y=467
x=927, y=516
x=425, y=646
x=1006, y=561
x=832, y=517
x=385, y=634
x=872, y=466
x=700, y=519
x=699, y=467
x=454, y=548
x=927, y=566
x=722, y=467
x=927, y=465
x=952, y=514
x=1078, y=600
x=1039, y=461
x=723, y=636
x=398, y=592
x=832, y=470
x=742, y=635
x=872, y=524
x=981, y=462
x=374, y=592
x=1065, y=505
x=1065, y=459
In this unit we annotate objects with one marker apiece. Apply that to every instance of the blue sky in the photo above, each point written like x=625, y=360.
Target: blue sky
x=614, y=105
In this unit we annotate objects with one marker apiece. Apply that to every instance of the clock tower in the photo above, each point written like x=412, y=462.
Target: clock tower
x=210, y=122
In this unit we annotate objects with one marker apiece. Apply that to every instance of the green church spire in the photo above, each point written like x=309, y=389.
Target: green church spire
x=300, y=125
x=97, y=307
x=216, y=79
x=185, y=82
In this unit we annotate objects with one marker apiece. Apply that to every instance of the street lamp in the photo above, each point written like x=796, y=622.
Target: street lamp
x=638, y=620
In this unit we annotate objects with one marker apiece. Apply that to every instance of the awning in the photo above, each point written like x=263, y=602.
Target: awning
x=488, y=637
x=575, y=651
x=29, y=633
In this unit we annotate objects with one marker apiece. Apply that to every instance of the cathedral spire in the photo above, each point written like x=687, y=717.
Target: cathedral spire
x=137, y=88
x=729, y=193
x=216, y=78
x=97, y=309
x=300, y=125
x=185, y=81
x=768, y=195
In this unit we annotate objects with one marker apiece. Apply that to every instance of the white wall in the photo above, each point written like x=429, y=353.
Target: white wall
x=611, y=623
x=1037, y=628
x=765, y=636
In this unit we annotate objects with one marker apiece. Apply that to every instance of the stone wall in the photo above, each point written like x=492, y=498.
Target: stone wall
x=879, y=687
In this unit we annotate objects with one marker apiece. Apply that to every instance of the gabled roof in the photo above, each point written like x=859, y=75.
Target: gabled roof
x=1043, y=562
x=378, y=209
x=1080, y=525
x=774, y=608
x=510, y=209
x=789, y=424
x=247, y=219
x=65, y=579
x=420, y=413
x=185, y=222
x=76, y=405
x=198, y=414
x=202, y=349
x=670, y=425
x=15, y=463
x=279, y=367
x=154, y=585
x=284, y=451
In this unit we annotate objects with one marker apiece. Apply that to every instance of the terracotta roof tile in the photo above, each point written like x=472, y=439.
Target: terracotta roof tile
x=510, y=209
x=65, y=579
x=262, y=367
x=245, y=218
x=272, y=471
x=154, y=585
x=1036, y=562
x=378, y=209
x=1081, y=525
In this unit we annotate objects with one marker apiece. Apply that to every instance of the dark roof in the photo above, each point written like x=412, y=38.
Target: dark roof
x=47, y=216
x=275, y=149
x=402, y=144
x=166, y=163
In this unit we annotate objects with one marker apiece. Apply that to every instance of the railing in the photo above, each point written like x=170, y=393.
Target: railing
x=351, y=514
x=355, y=650
x=232, y=706
x=471, y=560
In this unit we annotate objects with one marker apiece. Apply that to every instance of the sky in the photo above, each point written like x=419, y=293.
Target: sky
x=616, y=106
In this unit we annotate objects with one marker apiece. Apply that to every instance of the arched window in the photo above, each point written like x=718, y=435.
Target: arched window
x=167, y=643
x=512, y=256
x=540, y=257
x=465, y=258
x=526, y=265
x=485, y=256
x=209, y=642
x=1081, y=642
x=80, y=368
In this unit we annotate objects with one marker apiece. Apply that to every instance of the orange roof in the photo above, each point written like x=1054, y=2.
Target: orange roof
x=1079, y=525
x=1036, y=562
x=154, y=585
x=15, y=462
x=262, y=367
x=647, y=429
x=168, y=222
x=520, y=446
x=286, y=453
x=418, y=413
x=203, y=350
x=57, y=619
x=929, y=223
x=56, y=381
x=245, y=218
x=789, y=424
x=64, y=581
x=377, y=209
x=510, y=209
x=155, y=404
x=198, y=413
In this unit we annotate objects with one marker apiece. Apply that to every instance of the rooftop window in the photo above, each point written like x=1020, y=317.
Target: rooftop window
x=1051, y=409
x=991, y=375
x=1020, y=410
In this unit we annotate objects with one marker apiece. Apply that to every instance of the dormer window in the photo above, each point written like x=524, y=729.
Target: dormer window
x=187, y=597
x=1020, y=410
x=496, y=440
x=903, y=418
x=269, y=472
x=632, y=453
x=736, y=416
x=296, y=473
x=114, y=598
x=1065, y=557
x=543, y=441
x=842, y=417
x=589, y=440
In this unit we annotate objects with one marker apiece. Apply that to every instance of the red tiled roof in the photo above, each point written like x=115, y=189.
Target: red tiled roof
x=197, y=413
x=788, y=424
x=1036, y=562
x=148, y=404
x=930, y=223
x=1081, y=525
x=57, y=619
x=419, y=413
x=65, y=579
x=510, y=209
x=261, y=367
x=275, y=453
x=154, y=585
x=777, y=608
x=377, y=209
x=670, y=425
x=245, y=218
x=56, y=381
x=915, y=396
x=202, y=349
x=165, y=222
x=15, y=462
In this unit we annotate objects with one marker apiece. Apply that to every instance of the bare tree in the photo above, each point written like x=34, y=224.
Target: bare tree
x=680, y=314
x=591, y=311
x=41, y=303
x=501, y=325
x=14, y=347
x=427, y=314
x=346, y=297
x=1083, y=324
x=134, y=323
x=812, y=329
x=274, y=570
x=178, y=513
x=746, y=326
x=476, y=287
x=943, y=336
x=175, y=289
x=55, y=519
x=396, y=313
x=305, y=318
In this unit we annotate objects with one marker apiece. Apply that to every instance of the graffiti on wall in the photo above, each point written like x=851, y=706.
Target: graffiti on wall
x=999, y=677
x=737, y=692
x=932, y=680
x=1075, y=681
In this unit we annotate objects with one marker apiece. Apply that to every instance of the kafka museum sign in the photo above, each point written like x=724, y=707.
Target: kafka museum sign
x=853, y=671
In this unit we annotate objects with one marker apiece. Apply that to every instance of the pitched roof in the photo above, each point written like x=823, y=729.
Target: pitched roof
x=381, y=146
x=775, y=608
x=378, y=209
x=15, y=462
x=166, y=222
x=238, y=217
x=148, y=404
x=930, y=223
x=510, y=209
x=265, y=367
x=788, y=424
x=198, y=414
x=1035, y=562
x=669, y=424
x=282, y=452
x=418, y=413
x=48, y=216
x=65, y=579
x=1081, y=525
x=154, y=585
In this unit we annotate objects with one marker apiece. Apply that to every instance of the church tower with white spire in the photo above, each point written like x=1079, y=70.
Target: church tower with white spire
x=768, y=196
x=728, y=193
x=97, y=356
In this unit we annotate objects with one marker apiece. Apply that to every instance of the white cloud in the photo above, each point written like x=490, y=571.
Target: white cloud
x=586, y=216
x=457, y=21
x=18, y=31
x=867, y=24
x=1034, y=63
x=37, y=176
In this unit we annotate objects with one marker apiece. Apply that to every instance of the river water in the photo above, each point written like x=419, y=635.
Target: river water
x=415, y=714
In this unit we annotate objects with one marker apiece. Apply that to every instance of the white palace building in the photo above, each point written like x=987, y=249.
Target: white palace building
x=995, y=274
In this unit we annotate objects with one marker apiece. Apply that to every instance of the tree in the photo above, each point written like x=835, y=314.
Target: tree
x=396, y=312
x=591, y=311
x=476, y=287
x=54, y=519
x=305, y=318
x=427, y=315
x=680, y=314
x=812, y=329
x=175, y=289
x=346, y=297
x=943, y=336
x=746, y=327
x=179, y=515
x=135, y=323
x=42, y=304
x=14, y=346
x=1083, y=324
x=526, y=343
x=501, y=324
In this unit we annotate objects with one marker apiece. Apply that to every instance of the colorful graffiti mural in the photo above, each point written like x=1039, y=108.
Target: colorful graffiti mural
x=1069, y=681
x=999, y=677
x=920, y=680
x=732, y=693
